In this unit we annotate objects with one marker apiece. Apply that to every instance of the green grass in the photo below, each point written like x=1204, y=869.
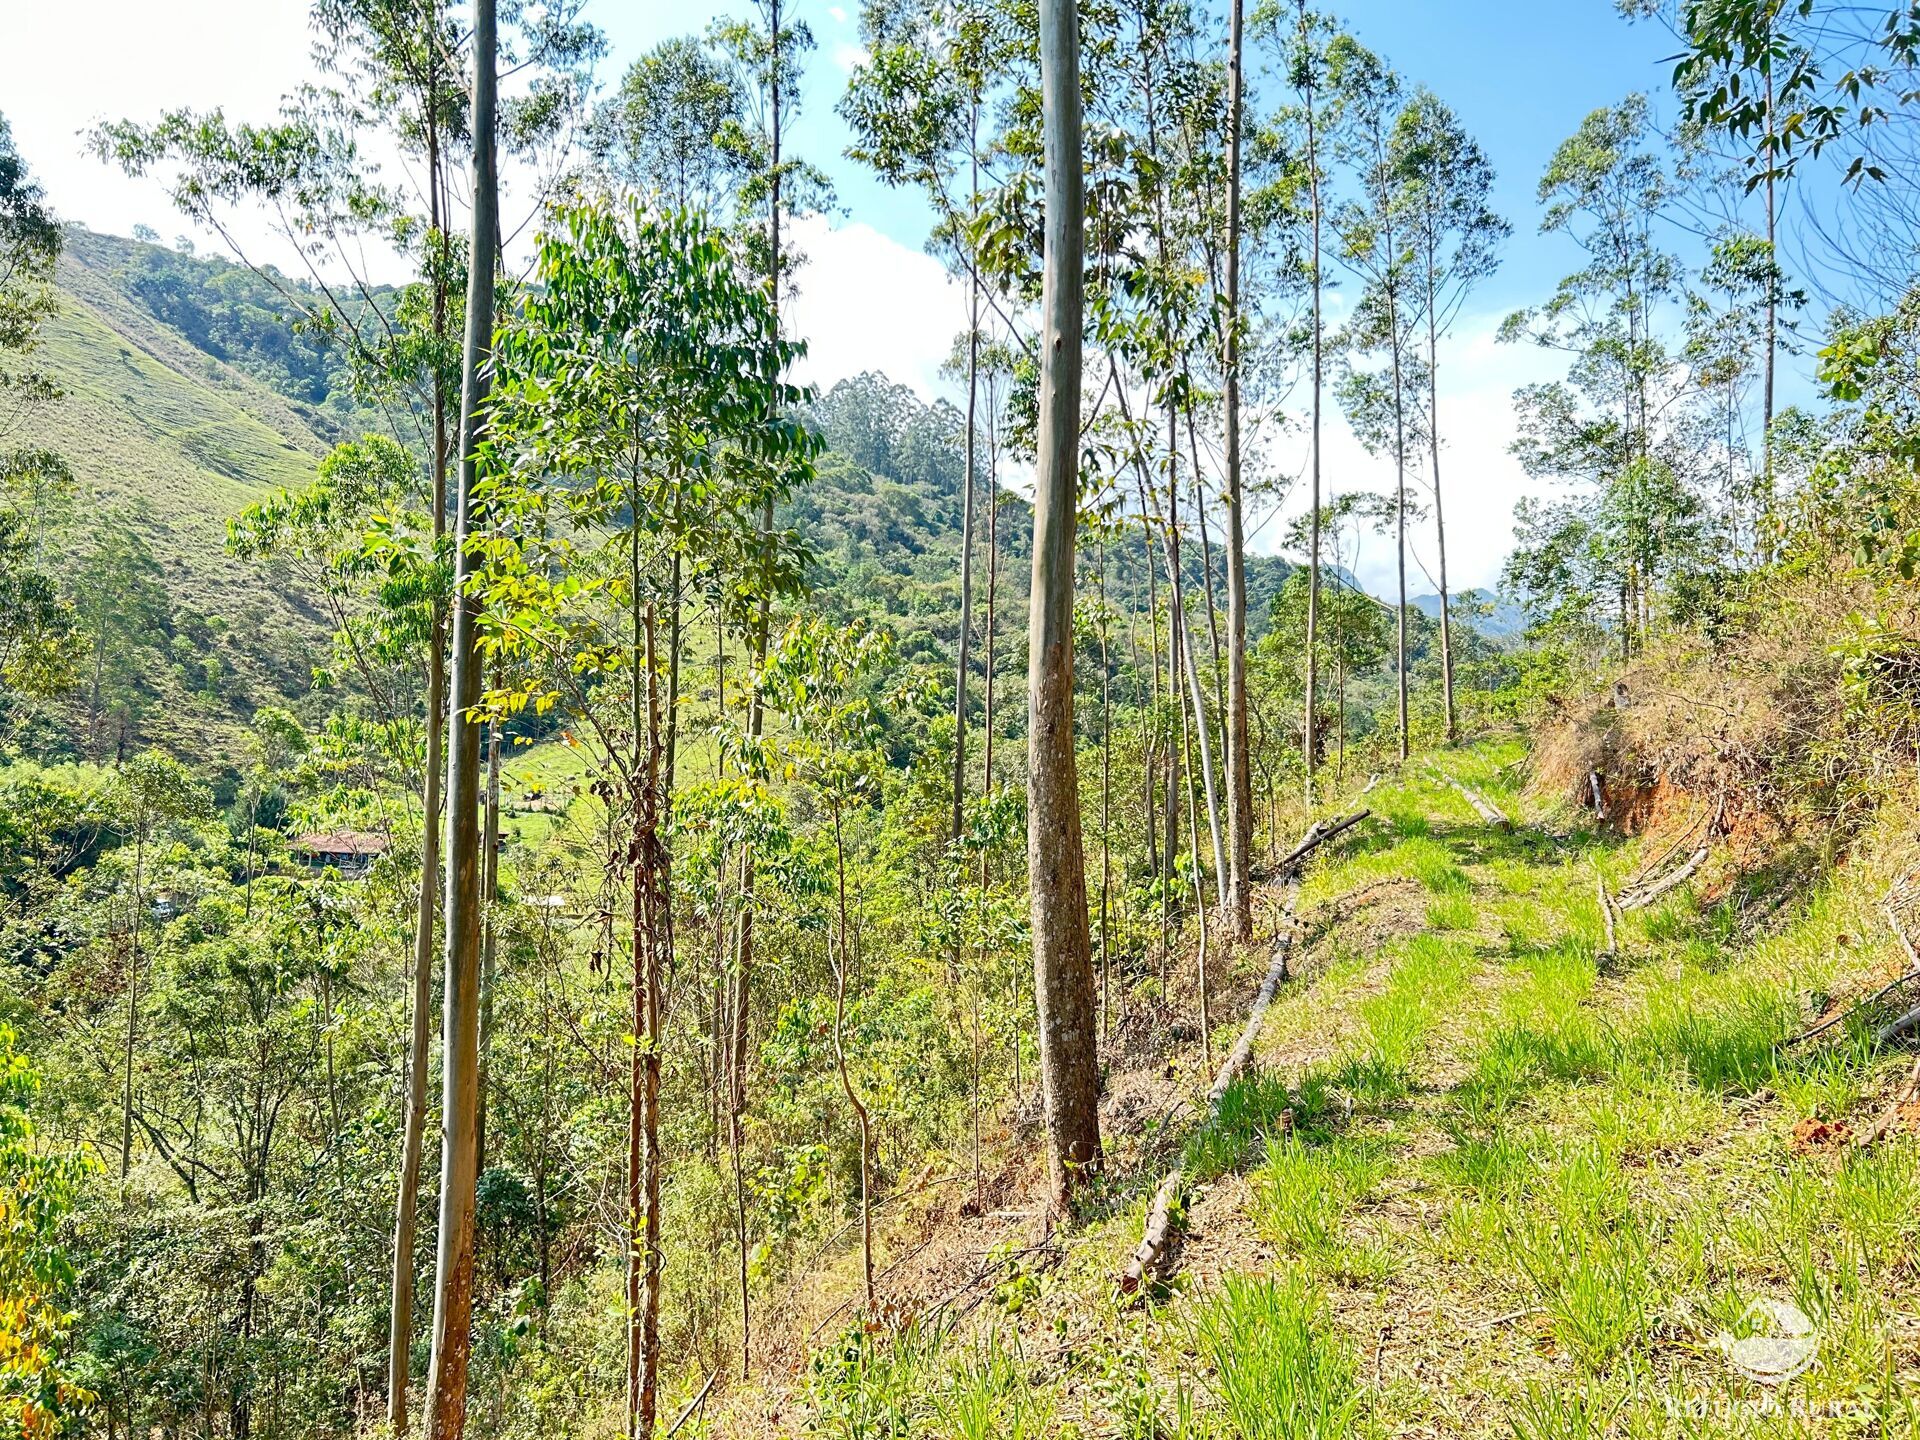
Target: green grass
x=1250, y=1110
x=1281, y=1372
x=165, y=437
x=1578, y=1179
x=1306, y=1193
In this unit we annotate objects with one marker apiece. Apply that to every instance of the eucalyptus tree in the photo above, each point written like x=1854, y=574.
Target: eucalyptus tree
x=1606, y=188
x=1726, y=328
x=1376, y=244
x=460, y=1010
x=1455, y=239
x=150, y=792
x=668, y=130
x=1056, y=863
x=1154, y=314
x=767, y=52
x=916, y=106
x=1354, y=639
x=393, y=74
x=1745, y=61
x=1787, y=81
x=1300, y=39
x=641, y=421
x=1239, y=752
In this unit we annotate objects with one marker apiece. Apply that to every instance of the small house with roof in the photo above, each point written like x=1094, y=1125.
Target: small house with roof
x=351, y=852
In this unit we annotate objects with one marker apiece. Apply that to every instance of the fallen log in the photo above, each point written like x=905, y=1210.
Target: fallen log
x=1484, y=808
x=695, y=1403
x=1317, y=835
x=1606, y=915
x=1671, y=881
x=1646, y=872
x=1153, y=1241
x=1276, y=972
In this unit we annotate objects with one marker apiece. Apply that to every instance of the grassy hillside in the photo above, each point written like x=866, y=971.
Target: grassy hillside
x=1491, y=1174
x=165, y=444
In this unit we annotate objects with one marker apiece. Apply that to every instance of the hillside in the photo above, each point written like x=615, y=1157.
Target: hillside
x=1499, y=1166
x=189, y=394
x=166, y=443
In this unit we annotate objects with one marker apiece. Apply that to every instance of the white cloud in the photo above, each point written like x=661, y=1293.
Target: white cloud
x=65, y=68
x=839, y=15
x=848, y=57
x=1480, y=481
x=867, y=302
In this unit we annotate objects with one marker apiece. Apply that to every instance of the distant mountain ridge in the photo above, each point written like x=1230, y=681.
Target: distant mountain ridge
x=1498, y=617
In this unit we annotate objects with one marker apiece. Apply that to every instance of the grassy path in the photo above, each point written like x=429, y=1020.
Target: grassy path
x=1487, y=1181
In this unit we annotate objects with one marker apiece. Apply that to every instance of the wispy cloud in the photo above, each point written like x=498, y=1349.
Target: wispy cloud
x=867, y=302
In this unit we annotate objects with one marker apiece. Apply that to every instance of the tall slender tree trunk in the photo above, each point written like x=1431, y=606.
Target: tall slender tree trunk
x=1400, y=517
x=1309, y=743
x=1056, y=863
x=652, y=949
x=1106, y=803
x=852, y=1091
x=1239, y=762
x=1190, y=721
x=1150, y=725
x=133, y=1002
x=1182, y=640
x=744, y=936
x=1767, y=498
x=966, y=509
x=489, y=934
x=1439, y=509
x=1217, y=677
x=460, y=1024
x=419, y=1048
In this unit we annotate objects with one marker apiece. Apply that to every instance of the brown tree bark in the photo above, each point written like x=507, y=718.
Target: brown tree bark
x=652, y=948
x=1056, y=864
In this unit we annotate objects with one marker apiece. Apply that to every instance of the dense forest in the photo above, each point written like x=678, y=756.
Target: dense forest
x=555, y=879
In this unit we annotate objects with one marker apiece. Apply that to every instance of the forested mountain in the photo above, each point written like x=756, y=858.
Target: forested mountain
x=556, y=882
x=191, y=389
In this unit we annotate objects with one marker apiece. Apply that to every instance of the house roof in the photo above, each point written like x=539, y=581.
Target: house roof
x=343, y=842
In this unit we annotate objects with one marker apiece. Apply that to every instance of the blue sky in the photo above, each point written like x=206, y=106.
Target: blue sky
x=1522, y=75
